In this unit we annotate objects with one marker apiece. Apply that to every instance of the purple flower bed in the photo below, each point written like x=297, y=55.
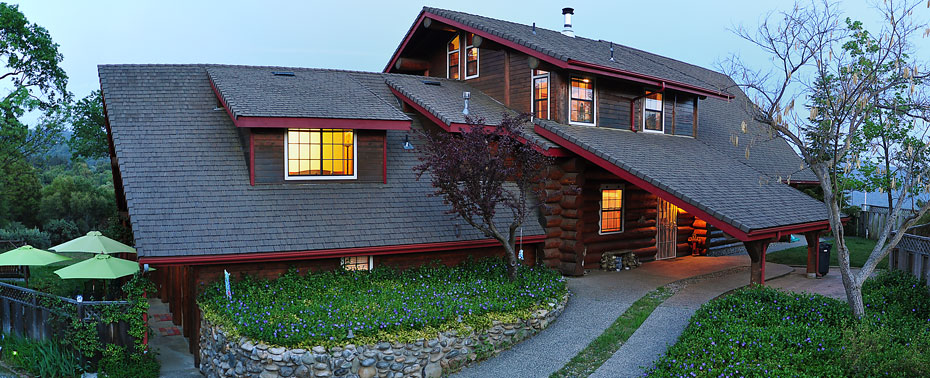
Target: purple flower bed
x=765, y=332
x=322, y=308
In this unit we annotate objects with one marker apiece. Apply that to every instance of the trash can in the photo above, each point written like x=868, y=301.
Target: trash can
x=823, y=258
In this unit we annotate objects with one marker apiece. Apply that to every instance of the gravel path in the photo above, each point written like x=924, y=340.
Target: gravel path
x=597, y=300
x=663, y=327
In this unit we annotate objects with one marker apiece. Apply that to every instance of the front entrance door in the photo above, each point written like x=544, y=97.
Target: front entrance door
x=667, y=230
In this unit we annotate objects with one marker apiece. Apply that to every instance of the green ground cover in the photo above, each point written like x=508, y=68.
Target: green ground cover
x=303, y=310
x=760, y=331
x=859, y=250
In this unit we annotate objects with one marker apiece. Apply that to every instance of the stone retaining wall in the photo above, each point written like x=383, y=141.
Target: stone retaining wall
x=222, y=357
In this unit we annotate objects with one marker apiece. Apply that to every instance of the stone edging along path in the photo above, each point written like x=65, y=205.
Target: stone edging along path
x=221, y=356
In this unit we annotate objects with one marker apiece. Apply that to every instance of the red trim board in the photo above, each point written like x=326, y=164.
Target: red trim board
x=570, y=64
x=327, y=253
x=726, y=227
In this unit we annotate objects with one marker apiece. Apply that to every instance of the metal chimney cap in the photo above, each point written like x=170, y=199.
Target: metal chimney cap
x=568, y=10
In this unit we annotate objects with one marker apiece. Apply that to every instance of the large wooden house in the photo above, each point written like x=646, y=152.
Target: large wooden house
x=261, y=169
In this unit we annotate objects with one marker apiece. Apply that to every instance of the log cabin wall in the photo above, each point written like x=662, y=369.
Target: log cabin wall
x=572, y=219
x=269, y=157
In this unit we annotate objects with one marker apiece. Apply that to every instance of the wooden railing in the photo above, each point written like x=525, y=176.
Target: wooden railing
x=28, y=313
x=912, y=255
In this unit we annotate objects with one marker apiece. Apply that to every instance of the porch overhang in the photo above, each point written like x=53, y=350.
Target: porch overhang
x=721, y=221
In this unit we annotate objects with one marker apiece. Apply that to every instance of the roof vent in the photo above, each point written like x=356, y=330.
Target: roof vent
x=567, y=30
x=282, y=73
x=431, y=82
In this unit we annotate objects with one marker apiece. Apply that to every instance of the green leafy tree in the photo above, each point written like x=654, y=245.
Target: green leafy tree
x=36, y=82
x=19, y=193
x=79, y=199
x=89, y=134
x=869, y=104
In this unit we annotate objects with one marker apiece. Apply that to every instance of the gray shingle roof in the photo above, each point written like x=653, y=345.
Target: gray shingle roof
x=445, y=102
x=719, y=119
x=729, y=190
x=311, y=93
x=187, y=183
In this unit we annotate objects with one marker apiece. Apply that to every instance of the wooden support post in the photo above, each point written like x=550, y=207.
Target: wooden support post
x=813, y=248
x=756, y=249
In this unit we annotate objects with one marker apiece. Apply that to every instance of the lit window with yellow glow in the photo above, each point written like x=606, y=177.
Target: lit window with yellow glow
x=471, y=57
x=452, y=58
x=357, y=263
x=611, y=210
x=582, y=101
x=320, y=154
x=541, y=94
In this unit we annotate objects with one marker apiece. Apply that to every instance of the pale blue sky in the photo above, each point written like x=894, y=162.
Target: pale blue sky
x=361, y=35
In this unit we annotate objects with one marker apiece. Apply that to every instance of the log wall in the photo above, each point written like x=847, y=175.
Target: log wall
x=572, y=219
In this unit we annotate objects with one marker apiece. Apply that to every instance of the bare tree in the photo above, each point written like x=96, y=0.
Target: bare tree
x=869, y=109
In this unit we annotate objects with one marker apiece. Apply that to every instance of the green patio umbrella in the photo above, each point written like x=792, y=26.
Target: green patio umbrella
x=93, y=242
x=101, y=266
x=27, y=255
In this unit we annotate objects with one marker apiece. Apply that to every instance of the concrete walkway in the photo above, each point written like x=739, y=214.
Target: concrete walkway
x=169, y=341
x=597, y=300
x=668, y=321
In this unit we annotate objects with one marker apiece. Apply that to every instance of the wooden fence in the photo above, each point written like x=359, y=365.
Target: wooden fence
x=28, y=313
x=872, y=219
x=912, y=255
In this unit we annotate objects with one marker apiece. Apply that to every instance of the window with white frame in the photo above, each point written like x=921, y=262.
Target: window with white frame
x=611, y=214
x=541, y=94
x=357, y=262
x=652, y=113
x=453, y=49
x=471, y=57
x=582, y=103
x=319, y=154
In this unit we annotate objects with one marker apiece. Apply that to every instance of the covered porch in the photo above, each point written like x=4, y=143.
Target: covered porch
x=670, y=192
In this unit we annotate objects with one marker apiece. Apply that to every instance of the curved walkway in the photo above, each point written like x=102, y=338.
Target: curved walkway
x=599, y=298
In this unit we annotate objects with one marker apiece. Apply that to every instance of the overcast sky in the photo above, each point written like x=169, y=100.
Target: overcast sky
x=362, y=35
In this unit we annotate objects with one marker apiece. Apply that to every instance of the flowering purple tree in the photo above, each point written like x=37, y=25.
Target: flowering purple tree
x=482, y=171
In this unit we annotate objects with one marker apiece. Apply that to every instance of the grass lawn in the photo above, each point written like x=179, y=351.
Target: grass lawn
x=859, y=250
x=764, y=332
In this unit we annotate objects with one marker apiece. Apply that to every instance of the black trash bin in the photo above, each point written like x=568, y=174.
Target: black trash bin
x=823, y=258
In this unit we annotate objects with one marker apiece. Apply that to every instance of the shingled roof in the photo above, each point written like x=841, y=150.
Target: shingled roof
x=187, y=184
x=442, y=98
x=298, y=92
x=697, y=174
x=719, y=119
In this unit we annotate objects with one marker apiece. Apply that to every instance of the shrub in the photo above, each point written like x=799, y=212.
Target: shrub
x=31, y=236
x=118, y=363
x=384, y=304
x=40, y=358
x=61, y=230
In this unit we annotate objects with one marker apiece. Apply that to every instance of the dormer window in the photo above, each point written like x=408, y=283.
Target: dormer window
x=471, y=57
x=452, y=58
x=320, y=154
x=652, y=113
x=582, y=101
x=541, y=94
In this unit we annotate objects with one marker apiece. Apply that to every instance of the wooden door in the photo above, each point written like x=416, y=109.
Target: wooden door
x=667, y=230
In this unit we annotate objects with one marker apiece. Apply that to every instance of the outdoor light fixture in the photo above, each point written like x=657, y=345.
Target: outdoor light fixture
x=466, y=96
x=350, y=335
x=407, y=144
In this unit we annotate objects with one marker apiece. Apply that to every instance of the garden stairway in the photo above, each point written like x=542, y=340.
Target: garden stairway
x=170, y=343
